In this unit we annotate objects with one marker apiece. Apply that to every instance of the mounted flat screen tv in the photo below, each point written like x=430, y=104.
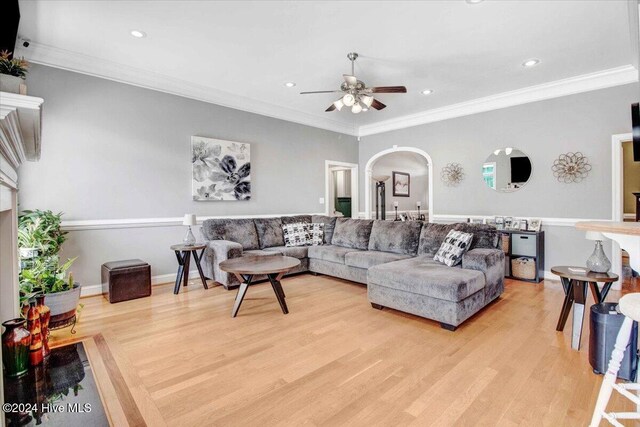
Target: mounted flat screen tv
x=635, y=122
x=520, y=169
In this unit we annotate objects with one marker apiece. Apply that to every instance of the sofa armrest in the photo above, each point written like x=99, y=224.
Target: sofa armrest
x=491, y=263
x=216, y=252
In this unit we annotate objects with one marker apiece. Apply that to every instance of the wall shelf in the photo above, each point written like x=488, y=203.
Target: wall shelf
x=20, y=127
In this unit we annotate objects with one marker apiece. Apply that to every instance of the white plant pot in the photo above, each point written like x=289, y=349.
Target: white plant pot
x=11, y=83
x=63, y=304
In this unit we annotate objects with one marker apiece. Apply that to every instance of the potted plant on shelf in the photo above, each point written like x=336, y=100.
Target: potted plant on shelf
x=13, y=73
x=40, y=238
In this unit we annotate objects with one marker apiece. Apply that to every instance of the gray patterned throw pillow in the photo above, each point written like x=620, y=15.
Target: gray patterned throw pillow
x=453, y=247
x=295, y=234
x=316, y=233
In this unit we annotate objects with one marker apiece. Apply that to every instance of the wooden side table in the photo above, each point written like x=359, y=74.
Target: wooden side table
x=183, y=254
x=575, y=287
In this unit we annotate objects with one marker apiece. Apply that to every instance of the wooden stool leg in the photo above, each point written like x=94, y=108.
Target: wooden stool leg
x=622, y=340
x=187, y=259
x=176, y=287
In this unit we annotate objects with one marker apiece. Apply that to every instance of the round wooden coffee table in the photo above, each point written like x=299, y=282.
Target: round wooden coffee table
x=244, y=268
x=576, y=286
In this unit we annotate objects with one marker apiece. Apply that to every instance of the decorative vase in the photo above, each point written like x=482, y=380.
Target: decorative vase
x=15, y=347
x=45, y=315
x=598, y=261
x=11, y=84
x=33, y=324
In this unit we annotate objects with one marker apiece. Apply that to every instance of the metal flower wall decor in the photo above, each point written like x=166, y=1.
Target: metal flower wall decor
x=452, y=174
x=571, y=167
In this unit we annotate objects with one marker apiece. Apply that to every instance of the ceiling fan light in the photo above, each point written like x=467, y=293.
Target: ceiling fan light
x=348, y=100
x=366, y=100
x=339, y=104
x=357, y=108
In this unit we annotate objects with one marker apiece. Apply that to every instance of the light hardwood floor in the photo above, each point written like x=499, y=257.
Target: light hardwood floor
x=333, y=360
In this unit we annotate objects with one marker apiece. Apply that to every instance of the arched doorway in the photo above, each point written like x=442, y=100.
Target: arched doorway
x=368, y=181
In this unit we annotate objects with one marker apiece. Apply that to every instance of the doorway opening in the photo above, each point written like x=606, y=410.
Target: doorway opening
x=413, y=169
x=618, y=213
x=341, y=189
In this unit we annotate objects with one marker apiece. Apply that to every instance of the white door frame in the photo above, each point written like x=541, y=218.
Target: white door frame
x=369, y=171
x=617, y=199
x=355, y=196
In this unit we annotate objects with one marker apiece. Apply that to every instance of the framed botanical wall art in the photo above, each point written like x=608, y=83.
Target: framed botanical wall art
x=401, y=182
x=221, y=170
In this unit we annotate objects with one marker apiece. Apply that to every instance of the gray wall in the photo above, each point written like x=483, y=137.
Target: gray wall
x=413, y=164
x=543, y=130
x=114, y=151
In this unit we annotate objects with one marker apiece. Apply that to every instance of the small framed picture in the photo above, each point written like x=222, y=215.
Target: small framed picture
x=515, y=224
x=401, y=184
x=490, y=221
x=523, y=225
x=508, y=221
x=534, y=224
x=499, y=221
x=476, y=221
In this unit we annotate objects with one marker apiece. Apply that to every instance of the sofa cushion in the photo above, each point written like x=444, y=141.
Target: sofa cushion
x=431, y=237
x=242, y=231
x=299, y=252
x=295, y=218
x=329, y=253
x=329, y=225
x=485, y=236
x=352, y=233
x=454, y=246
x=424, y=276
x=366, y=259
x=400, y=237
x=259, y=252
x=269, y=232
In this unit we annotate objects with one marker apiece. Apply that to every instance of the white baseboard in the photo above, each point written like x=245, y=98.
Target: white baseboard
x=92, y=290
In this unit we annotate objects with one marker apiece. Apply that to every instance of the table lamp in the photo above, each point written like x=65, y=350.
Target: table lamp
x=598, y=261
x=189, y=220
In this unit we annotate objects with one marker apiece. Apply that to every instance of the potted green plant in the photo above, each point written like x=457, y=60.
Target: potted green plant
x=40, y=238
x=13, y=72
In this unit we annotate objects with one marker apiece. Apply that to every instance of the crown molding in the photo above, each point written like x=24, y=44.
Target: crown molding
x=72, y=61
x=555, y=89
x=110, y=70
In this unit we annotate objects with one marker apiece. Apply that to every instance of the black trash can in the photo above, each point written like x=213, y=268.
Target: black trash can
x=604, y=326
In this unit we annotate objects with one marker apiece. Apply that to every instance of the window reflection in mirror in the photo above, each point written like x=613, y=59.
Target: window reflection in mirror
x=506, y=170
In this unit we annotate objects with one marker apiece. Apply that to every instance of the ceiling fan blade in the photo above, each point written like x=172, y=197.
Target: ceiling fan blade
x=320, y=91
x=331, y=108
x=351, y=80
x=377, y=105
x=388, y=89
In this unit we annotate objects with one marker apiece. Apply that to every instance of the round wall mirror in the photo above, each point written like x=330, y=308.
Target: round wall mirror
x=506, y=170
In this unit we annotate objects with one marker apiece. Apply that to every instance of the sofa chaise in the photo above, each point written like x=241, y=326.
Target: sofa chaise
x=394, y=260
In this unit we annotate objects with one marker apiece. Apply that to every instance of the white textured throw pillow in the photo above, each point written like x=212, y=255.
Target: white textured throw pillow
x=296, y=234
x=453, y=247
x=316, y=233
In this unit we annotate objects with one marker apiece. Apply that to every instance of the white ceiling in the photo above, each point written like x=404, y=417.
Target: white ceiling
x=240, y=53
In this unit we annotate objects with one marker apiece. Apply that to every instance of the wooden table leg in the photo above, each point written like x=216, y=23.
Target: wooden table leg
x=567, y=304
x=197, y=259
x=176, y=287
x=242, y=290
x=187, y=259
x=277, y=289
x=605, y=290
x=580, y=297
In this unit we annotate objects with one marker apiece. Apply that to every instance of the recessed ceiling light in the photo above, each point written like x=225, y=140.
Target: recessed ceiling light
x=427, y=92
x=138, y=34
x=289, y=84
x=474, y=1
x=531, y=62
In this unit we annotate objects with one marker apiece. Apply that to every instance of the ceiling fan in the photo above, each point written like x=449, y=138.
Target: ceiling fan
x=356, y=94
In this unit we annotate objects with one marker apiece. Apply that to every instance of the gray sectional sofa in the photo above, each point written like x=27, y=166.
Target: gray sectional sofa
x=394, y=260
